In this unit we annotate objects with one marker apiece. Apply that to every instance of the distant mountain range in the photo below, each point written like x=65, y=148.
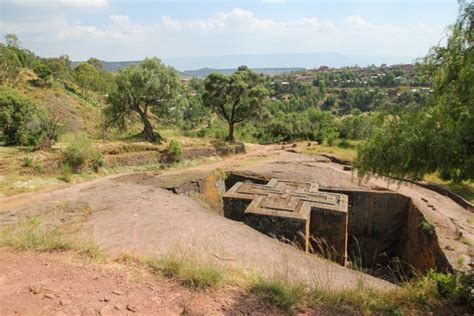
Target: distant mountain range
x=264, y=63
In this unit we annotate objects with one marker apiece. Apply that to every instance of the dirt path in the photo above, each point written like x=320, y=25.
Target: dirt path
x=61, y=284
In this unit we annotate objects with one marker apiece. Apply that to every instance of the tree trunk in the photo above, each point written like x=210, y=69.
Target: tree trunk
x=230, y=137
x=147, y=132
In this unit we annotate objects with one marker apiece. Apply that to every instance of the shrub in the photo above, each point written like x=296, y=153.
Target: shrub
x=175, y=151
x=79, y=152
x=97, y=161
x=66, y=173
x=20, y=119
x=344, y=144
x=28, y=161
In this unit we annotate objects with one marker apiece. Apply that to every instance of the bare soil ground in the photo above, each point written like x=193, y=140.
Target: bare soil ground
x=61, y=284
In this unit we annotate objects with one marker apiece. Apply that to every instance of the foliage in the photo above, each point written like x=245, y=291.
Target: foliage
x=66, y=173
x=79, y=152
x=235, y=98
x=20, y=119
x=309, y=125
x=149, y=89
x=61, y=67
x=456, y=287
x=43, y=72
x=86, y=76
x=10, y=65
x=438, y=136
x=97, y=161
x=175, y=151
x=426, y=226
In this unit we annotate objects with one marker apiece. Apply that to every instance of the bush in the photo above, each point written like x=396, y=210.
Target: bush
x=66, y=173
x=97, y=162
x=175, y=151
x=344, y=144
x=20, y=119
x=79, y=152
x=28, y=161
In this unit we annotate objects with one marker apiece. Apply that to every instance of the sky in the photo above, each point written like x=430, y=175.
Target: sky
x=118, y=30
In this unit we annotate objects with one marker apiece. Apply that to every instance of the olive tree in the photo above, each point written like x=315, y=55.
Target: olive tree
x=235, y=98
x=149, y=89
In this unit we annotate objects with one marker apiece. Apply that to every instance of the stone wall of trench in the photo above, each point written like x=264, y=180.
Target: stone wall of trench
x=387, y=225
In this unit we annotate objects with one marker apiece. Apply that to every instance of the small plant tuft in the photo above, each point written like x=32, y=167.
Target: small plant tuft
x=175, y=151
x=426, y=226
x=188, y=273
x=28, y=161
x=283, y=295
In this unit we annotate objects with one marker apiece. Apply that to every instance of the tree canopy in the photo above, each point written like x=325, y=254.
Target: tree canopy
x=21, y=120
x=149, y=89
x=438, y=136
x=237, y=97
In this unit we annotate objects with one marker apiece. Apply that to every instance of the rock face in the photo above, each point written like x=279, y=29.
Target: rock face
x=387, y=225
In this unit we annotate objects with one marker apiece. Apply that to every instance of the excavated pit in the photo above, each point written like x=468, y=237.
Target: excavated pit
x=386, y=235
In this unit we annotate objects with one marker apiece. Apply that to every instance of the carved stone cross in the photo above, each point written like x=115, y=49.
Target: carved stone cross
x=295, y=212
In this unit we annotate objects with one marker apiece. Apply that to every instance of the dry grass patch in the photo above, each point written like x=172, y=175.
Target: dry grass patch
x=29, y=234
x=188, y=273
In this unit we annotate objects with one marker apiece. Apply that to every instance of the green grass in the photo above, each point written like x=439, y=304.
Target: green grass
x=280, y=294
x=31, y=235
x=464, y=189
x=188, y=273
x=345, y=153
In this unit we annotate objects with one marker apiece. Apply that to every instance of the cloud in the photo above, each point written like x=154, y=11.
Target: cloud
x=236, y=31
x=75, y=4
x=357, y=21
x=242, y=20
x=120, y=19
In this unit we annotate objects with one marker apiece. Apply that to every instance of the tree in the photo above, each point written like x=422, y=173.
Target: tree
x=438, y=136
x=12, y=41
x=237, y=97
x=42, y=71
x=20, y=119
x=60, y=67
x=86, y=76
x=149, y=89
x=10, y=65
x=96, y=63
